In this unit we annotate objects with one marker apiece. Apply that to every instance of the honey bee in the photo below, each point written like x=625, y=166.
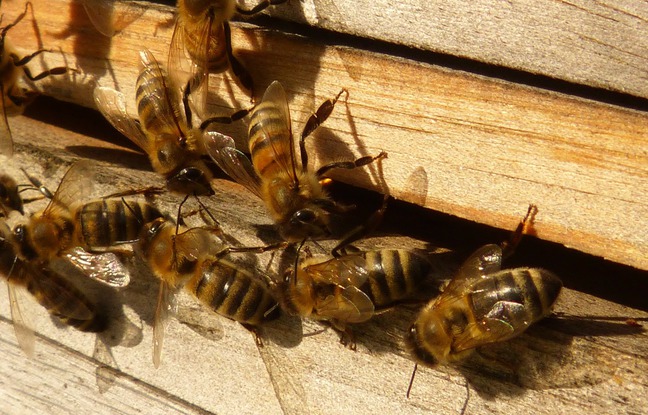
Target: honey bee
x=14, y=98
x=164, y=131
x=80, y=232
x=53, y=292
x=9, y=197
x=483, y=304
x=192, y=259
x=353, y=287
x=293, y=194
x=202, y=43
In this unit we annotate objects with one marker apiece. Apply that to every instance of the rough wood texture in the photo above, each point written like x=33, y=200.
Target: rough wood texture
x=589, y=360
x=600, y=44
x=474, y=147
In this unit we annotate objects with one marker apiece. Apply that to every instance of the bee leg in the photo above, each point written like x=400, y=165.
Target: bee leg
x=15, y=22
x=525, y=227
x=315, y=120
x=239, y=71
x=362, y=230
x=259, y=7
x=226, y=119
x=347, y=338
x=54, y=71
x=255, y=331
x=362, y=161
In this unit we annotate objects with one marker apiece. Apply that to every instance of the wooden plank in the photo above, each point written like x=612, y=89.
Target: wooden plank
x=587, y=361
x=474, y=147
x=600, y=44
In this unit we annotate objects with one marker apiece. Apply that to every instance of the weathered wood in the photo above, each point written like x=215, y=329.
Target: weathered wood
x=474, y=147
x=601, y=44
x=589, y=360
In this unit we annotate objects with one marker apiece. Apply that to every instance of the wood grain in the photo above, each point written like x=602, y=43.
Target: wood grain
x=600, y=44
x=585, y=360
x=463, y=144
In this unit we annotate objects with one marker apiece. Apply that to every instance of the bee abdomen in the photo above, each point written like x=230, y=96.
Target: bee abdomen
x=535, y=290
x=105, y=223
x=66, y=302
x=269, y=139
x=233, y=293
x=151, y=87
x=394, y=275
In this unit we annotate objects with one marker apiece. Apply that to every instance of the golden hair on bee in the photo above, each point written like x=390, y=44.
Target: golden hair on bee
x=292, y=193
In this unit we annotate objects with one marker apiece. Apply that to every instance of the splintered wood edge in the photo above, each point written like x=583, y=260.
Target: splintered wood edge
x=588, y=359
x=474, y=147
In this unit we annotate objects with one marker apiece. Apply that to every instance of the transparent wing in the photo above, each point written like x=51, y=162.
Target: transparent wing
x=104, y=267
x=272, y=128
x=110, y=16
x=347, y=270
x=485, y=260
x=493, y=328
x=235, y=164
x=195, y=243
x=112, y=105
x=164, y=101
x=6, y=142
x=351, y=306
x=166, y=306
x=22, y=326
x=185, y=71
x=76, y=186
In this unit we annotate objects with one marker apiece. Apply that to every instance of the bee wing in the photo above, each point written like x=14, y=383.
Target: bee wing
x=110, y=17
x=185, y=71
x=485, y=260
x=235, y=164
x=494, y=327
x=276, y=97
x=112, y=105
x=22, y=326
x=166, y=305
x=104, y=267
x=6, y=142
x=164, y=101
x=352, y=306
x=76, y=185
x=346, y=271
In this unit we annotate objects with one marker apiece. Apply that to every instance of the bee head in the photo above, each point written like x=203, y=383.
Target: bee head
x=308, y=222
x=416, y=345
x=190, y=180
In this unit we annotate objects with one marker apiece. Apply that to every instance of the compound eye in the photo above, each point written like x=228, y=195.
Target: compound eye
x=192, y=174
x=305, y=215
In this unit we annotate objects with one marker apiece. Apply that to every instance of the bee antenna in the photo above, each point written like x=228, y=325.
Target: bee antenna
x=409, y=388
x=131, y=210
x=179, y=217
x=206, y=209
x=297, y=260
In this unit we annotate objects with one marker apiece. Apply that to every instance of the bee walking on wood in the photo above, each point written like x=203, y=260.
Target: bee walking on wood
x=293, y=194
x=15, y=98
x=80, y=231
x=164, y=129
x=483, y=304
x=193, y=259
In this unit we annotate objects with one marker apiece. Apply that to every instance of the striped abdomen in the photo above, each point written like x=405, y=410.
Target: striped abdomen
x=394, y=275
x=61, y=299
x=214, y=54
x=536, y=290
x=270, y=140
x=109, y=222
x=158, y=103
x=233, y=293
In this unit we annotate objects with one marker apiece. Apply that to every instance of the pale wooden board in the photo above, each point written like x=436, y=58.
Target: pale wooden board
x=600, y=44
x=589, y=361
x=474, y=147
